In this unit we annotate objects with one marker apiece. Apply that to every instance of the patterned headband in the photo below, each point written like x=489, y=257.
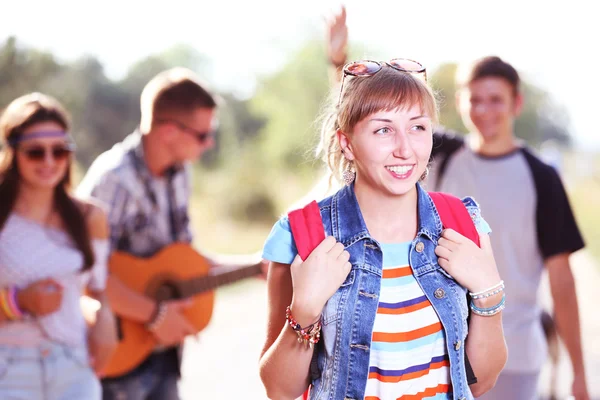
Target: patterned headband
x=36, y=135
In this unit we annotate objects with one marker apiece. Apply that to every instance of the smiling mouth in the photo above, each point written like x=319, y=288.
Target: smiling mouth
x=400, y=170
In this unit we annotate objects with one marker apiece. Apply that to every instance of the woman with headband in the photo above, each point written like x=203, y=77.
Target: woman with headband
x=53, y=249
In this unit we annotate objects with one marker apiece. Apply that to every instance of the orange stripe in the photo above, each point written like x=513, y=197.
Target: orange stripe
x=404, y=310
x=429, y=392
x=397, y=272
x=371, y=398
x=407, y=336
x=406, y=377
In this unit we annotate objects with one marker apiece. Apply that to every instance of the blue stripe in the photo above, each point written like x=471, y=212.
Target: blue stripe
x=403, y=304
x=402, y=281
x=439, y=396
x=414, y=368
x=406, y=346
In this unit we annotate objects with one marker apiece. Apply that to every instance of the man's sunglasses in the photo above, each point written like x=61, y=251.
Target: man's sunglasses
x=366, y=68
x=199, y=135
x=38, y=153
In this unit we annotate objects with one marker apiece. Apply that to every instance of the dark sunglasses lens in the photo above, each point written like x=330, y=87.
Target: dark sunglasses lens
x=407, y=65
x=39, y=153
x=36, y=153
x=60, y=153
x=362, y=68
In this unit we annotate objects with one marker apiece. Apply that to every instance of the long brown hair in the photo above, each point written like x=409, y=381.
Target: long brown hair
x=20, y=114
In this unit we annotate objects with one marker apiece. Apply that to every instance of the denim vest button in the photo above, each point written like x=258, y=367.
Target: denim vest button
x=457, y=345
x=439, y=293
x=419, y=247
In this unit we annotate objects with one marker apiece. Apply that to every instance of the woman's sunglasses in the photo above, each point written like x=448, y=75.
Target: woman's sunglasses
x=38, y=153
x=366, y=68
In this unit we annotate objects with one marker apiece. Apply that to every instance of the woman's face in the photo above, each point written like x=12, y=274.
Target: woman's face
x=390, y=149
x=43, y=161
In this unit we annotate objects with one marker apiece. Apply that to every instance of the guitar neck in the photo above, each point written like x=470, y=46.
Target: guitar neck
x=219, y=276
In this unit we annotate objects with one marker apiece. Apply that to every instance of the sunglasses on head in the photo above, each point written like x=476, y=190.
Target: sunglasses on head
x=200, y=136
x=366, y=68
x=38, y=153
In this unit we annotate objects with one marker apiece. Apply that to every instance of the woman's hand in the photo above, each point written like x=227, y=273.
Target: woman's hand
x=317, y=278
x=471, y=266
x=41, y=297
x=102, y=339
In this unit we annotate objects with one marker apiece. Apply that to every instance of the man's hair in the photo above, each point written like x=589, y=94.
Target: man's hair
x=173, y=91
x=491, y=66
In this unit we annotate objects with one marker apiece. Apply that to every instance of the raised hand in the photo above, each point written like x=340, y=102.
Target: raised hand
x=337, y=38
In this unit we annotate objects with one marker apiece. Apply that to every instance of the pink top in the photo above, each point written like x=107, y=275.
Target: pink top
x=30, y=252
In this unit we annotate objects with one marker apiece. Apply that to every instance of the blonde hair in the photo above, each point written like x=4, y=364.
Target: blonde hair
x=387, y=90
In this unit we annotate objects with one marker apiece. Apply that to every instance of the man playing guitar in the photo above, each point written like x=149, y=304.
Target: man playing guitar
x=145, y=183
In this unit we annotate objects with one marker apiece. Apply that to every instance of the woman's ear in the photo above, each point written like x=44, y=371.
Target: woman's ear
x=345, y=144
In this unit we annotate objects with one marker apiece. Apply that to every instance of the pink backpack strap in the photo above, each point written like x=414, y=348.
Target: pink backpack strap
x=454, y=215
x=307, y=228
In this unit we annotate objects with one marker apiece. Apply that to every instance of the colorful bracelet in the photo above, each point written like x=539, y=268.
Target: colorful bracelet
x=491, y=311
x=9, y=304
x=309, y=335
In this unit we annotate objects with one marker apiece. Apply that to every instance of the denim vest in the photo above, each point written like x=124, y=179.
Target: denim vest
x=340, y=365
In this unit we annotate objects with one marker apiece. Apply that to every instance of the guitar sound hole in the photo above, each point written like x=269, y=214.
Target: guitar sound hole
x=167, y=291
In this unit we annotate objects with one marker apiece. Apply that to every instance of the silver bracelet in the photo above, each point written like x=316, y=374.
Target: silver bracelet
x=488, y=294
x=499, y=284
x=491, y=311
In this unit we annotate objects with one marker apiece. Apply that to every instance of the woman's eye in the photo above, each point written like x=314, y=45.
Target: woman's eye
x=383, y=131
x=419, y=128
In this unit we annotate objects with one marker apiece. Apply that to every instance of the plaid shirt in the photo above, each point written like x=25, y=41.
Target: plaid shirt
x=138, y=204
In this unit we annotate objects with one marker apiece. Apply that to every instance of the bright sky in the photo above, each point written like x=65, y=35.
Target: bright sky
x=552, y=43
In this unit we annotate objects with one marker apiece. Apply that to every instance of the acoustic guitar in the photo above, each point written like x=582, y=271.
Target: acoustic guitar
x=176, y=272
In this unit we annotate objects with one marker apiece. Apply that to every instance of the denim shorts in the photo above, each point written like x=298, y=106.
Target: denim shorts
x=50, y=371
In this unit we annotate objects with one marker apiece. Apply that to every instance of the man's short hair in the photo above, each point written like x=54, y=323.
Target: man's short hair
x=490, y=66
x=173, y=91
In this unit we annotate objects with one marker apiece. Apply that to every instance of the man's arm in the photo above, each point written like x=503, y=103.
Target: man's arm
x=562, y=286
x=558, y=237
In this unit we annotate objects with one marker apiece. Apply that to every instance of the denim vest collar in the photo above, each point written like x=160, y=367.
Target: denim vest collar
x=355, y=229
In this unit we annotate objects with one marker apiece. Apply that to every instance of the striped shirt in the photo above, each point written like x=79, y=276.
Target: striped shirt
x=409, y=359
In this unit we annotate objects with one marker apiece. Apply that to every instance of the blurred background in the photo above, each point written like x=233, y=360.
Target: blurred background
x=267, y=61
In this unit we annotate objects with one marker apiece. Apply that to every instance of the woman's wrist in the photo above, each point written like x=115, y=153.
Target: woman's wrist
x=304, y=315
x=487, y=302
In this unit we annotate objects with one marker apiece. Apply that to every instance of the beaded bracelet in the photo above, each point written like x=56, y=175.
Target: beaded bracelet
x=499, y=287
x=309, y=335
x=158, y=318
x=491, y=311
